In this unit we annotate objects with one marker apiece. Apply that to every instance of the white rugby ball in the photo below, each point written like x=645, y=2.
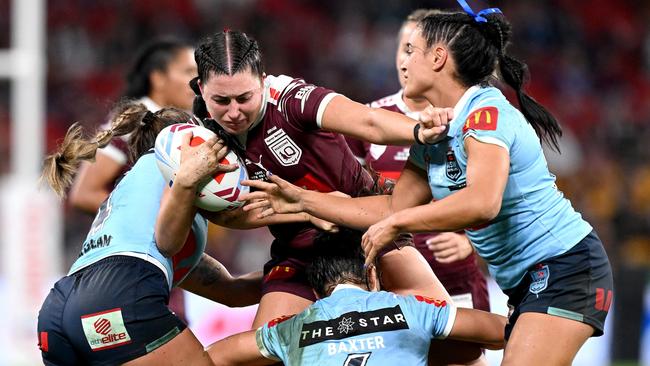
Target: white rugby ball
x=220, y=192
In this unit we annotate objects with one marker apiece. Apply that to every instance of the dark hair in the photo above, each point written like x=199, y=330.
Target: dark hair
x=129, y=117
x=340, y=259
x=224, y=53
x=153, y=56
x=477, y=49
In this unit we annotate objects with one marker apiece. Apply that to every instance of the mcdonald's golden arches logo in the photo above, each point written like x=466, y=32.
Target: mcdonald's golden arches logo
x=482, y=119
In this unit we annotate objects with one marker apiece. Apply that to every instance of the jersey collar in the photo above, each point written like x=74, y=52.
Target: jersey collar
x=343, y=286
x=150, y=104
x=464, y=99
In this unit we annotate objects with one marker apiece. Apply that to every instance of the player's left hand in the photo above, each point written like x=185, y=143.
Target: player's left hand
x=434, y=123
x=377, y=237
x=450, y=247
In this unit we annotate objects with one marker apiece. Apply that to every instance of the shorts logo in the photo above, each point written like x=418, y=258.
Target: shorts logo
x=540, y=277
x=105, y=329
x=285, y=150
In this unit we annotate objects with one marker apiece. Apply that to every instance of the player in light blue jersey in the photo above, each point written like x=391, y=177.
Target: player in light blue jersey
x=353, y=323
x=490, y=175
x=111, y=308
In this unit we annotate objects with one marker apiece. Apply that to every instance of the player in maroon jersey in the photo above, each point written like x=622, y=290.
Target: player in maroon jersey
x=287, y=126
x=450, y=255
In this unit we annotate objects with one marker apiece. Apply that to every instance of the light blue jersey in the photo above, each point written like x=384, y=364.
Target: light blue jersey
x=125, y=225
x=535, y=222
x=357, y=327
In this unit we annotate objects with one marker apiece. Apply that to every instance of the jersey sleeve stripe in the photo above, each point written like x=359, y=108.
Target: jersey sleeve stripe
x=451, y=319
x=262, y=347
x=487, y=140
x=114, y=153
x=321, y=108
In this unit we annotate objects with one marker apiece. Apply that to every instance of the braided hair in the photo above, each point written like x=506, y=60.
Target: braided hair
x=478, y=49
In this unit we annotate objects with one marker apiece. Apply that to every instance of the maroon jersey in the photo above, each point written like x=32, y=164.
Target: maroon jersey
x=287, y=141
x=389, y=161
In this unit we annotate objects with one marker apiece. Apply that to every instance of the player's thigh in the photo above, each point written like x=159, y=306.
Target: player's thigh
x=184, y=349
x=542, y=339
x=405, y=271
x=276, y=304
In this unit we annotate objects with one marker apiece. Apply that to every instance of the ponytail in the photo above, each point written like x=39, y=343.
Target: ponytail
x=129, y=118
x=478, y=43
x=515, y=74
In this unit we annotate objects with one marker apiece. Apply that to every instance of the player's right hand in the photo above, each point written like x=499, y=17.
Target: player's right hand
x=198, y=162
x=275, y=196
x=434, y=123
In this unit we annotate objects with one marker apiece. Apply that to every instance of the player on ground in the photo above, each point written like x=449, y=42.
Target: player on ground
x=488, y=174
x=111, y=308
x=352, y=323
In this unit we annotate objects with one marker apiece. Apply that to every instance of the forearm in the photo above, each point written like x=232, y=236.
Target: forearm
x=462, y=210
x=210, y=279
x=244, y=220
x=357, y=213
x=238, y=349
x=479, y=327
x=388, y=128
x=374, y=125
x=175, y=218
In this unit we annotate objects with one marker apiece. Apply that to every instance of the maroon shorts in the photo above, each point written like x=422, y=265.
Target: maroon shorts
x=284, y=273
x=287, y=275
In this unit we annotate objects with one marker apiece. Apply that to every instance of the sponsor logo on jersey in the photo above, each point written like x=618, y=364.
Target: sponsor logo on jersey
x=105, y=329
x=540, y=277
x=303, y=95
x=482, y=119
x=285, y=150
x=256, y=171
x=353, y=324
x=452, y=169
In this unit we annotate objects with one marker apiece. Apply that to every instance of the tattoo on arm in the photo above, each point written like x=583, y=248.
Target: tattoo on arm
x=209, y=272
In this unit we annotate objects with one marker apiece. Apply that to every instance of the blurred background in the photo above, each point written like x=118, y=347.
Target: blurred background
x=590, y=65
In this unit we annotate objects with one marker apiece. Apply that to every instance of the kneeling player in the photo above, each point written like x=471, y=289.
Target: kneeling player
x=354, y=323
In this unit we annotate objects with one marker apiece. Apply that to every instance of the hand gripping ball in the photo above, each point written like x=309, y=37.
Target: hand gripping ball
x=217, y=193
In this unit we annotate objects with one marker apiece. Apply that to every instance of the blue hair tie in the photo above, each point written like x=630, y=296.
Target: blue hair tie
x=478, y=17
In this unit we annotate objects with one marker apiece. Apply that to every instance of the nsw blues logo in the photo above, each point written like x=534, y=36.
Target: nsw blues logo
x=452, y=169
x=540, y=277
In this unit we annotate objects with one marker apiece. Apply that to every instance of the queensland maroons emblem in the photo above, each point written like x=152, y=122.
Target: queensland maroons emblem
x=285, y=150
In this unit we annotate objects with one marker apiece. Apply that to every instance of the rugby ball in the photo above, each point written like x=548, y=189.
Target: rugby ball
x=217, y=193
